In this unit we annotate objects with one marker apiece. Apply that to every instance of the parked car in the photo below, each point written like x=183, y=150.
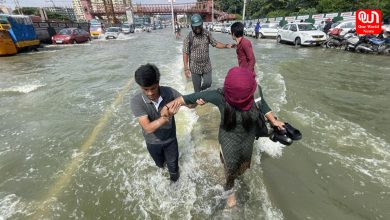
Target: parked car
x=127, y=29
x=226, y=28
x=301, y=34
x=112, y=32
x=230, y=29
x=250, y=31
x=138, y=29
x=268, y=30
x=96, y=30
x=217, y=27
x=70, y=36
x=345, y=26
x=147, y=28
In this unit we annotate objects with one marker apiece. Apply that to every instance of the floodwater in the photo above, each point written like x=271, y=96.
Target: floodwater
x=71, y=149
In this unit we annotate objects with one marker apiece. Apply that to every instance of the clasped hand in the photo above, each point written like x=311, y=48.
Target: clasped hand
x=170, y=109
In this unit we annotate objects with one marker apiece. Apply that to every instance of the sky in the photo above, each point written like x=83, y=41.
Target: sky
x=59, y=3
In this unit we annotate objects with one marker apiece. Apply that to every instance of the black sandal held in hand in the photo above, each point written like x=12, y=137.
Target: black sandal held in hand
x=292, y=132
x=281, y=136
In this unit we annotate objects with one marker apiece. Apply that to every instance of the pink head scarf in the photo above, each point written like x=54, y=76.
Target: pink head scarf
x=239, y=86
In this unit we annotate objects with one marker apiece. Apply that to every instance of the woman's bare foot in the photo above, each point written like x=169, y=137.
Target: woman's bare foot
x=231, y=200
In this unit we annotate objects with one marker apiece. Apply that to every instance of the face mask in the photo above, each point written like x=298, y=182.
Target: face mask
x=197, y=30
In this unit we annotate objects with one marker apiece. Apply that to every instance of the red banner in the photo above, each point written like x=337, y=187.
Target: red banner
x=368, y=21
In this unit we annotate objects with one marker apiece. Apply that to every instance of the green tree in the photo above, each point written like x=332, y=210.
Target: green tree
x=27, y=11
x=326, y=6
x=277, y=13
x=53, y=15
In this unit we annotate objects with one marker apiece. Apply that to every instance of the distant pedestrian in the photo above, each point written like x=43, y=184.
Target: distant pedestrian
x=257, y=30
x=196, y=58
x=328, y=25
x=177, y=30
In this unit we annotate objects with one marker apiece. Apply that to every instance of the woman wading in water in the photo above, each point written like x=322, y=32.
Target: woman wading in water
x=239, y=116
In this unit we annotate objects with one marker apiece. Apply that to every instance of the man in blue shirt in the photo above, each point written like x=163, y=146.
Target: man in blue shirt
x=257, y=30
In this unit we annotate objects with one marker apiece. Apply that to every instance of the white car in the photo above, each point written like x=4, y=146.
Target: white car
x=112, y=32
x=250, y=31
x=217, y=28
x=226, y=28
x=345, y=26
x=127, y=29
x=138, y=29
x=301, y=34
x=268, y=30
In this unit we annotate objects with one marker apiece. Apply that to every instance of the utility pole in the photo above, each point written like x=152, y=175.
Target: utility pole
x=54, y=6
x=243, y=12
x=212, y=11
x=173, y=18
x=18, y=6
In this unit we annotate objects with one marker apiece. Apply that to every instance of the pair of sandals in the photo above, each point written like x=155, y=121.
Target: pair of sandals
x=287, y=135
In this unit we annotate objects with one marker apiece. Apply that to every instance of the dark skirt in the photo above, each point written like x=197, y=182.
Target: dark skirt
x=236, y=153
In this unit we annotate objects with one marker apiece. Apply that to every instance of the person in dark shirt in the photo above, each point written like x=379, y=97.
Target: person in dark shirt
x=328, y=25
x=196, y=59
x=257, y=30
x=177, y=30
x=159, y=129
x=244, y=50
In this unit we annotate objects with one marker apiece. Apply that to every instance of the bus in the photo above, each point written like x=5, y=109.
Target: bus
x=16, y=33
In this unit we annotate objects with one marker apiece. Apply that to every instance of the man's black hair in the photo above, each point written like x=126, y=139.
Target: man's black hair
x=147, y=75
x=237, y=29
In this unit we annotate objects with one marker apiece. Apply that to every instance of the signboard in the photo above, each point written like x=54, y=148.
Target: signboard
x=318, y=16
x=43, y=25
x=278, y=18
x=303, y=17
x=347, y=16
x=368, y=21
x=289, y=18
x=331, y=15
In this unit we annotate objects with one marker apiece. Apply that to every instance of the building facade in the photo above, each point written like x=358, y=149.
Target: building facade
x=79, y=12
x=5, y=10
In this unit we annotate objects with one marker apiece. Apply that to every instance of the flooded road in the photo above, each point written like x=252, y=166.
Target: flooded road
x=71, y=149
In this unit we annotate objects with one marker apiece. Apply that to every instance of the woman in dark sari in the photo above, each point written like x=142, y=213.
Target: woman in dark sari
x=238, y=119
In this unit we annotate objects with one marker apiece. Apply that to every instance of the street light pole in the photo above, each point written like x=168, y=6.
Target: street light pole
x=243, y=12
x=212, y=11
x=173, y=18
